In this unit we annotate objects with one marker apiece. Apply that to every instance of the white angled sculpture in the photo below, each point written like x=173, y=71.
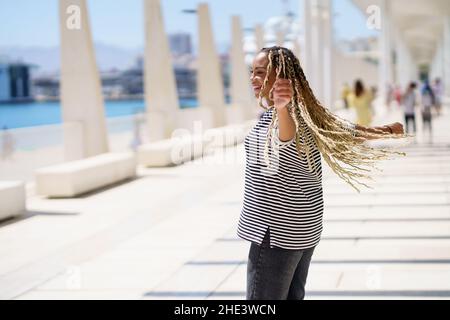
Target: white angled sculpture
x=241, y=96
x=209, y=77
x=259, y=37
x=161, y=96
x=83, y=112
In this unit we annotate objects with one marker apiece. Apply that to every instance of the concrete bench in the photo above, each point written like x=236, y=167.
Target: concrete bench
x=12, y=199
x=227, y=136
x=170, y=152
x=178, y=150
x=76, y=177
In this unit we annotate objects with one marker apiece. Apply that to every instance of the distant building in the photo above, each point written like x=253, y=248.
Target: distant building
x=129, y=83
x=180, y=43
x=132, y=82
x=367, y=44
x=111, y=84
x=46, y=88
x=5, y=93
x=15, y=84
x=285, y=25
x=186, y=80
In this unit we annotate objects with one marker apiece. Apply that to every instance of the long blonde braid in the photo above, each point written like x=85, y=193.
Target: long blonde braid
x=336, y=138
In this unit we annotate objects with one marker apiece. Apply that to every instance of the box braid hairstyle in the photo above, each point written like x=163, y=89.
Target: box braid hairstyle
x=336, y=138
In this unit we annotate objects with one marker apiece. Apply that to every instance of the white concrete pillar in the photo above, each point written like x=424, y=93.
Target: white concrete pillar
x=83, y=113
x=434, y=73
x=241, y=95
x=433, y=65
x=446, y=55
x=209, y=76
x=328, y=53
x=296, y=48
x=317, y=54
x=161, y=97
x=306, y=59
x=385, y=51
x=280, y=38
x=403, y=66
x=440, y=63
x=437, y=68
x=259, y=37
x=413, y=68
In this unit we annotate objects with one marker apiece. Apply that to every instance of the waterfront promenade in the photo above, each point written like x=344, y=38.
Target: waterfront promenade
x=171, y=234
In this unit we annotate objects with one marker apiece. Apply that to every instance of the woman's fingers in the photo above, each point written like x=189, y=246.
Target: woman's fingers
x=282, y=83
x=282, y=95
x=397, y=128
x=282, y=90
x=282, y=86
x=276, y=94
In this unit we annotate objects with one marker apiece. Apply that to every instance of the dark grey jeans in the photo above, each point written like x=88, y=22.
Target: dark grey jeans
x=276, y=273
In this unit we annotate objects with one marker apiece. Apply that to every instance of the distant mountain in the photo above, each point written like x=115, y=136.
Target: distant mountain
x=109, y=57
x=47, y=58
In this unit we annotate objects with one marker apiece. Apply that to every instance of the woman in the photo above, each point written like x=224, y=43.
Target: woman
x=345, y=93
x=409, y=104
x=428, y=101
x=438, y=93
x=361, y=100
x=283, y=204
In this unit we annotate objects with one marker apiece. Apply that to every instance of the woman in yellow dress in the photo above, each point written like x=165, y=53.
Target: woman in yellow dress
x=361, y=100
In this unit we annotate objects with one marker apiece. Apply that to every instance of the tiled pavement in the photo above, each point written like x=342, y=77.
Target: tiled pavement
x=171, y=234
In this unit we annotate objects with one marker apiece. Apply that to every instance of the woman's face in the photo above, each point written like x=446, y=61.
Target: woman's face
x=258, y=74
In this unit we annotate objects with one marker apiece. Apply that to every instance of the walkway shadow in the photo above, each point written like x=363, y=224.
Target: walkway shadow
x=310, y=293
x=30, y=214
x=325, y=262
x=356, y=238
x=99, y=190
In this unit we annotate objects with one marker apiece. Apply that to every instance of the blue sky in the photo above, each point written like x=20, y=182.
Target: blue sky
x=120, y=22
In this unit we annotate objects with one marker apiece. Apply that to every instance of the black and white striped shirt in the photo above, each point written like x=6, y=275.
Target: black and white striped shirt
x=285, y=196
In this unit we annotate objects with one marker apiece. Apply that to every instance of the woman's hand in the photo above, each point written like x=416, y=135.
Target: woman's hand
x=397, y=128
x=394, y=128
x=282, y=93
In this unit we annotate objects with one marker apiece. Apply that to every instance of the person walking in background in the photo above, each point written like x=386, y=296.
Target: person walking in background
x=137, y=140
x=8, y=144
x=428, y=101
x=374, y=91
x=345, y=93
x=389, y=95
x=361, y=100
x=409, y=102
x=438, y=93
x=398, y=95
